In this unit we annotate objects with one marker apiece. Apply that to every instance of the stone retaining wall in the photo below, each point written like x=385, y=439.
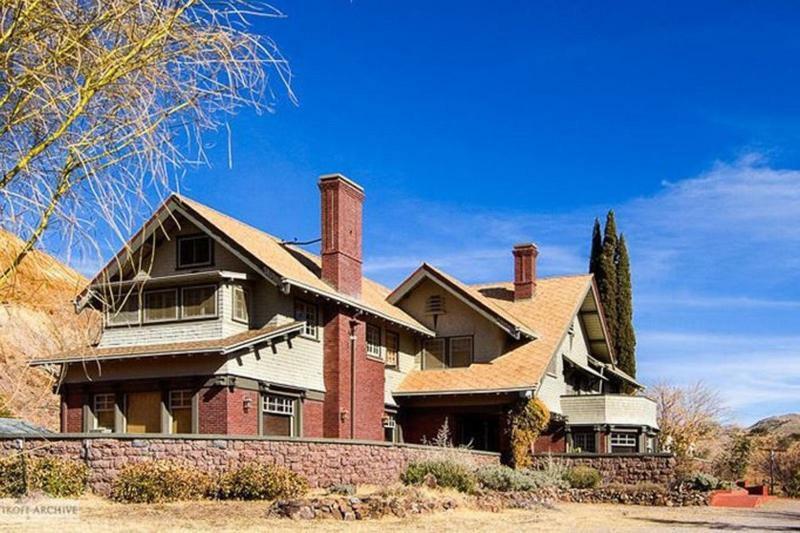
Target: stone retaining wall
x=627, y=469
x=323, y=461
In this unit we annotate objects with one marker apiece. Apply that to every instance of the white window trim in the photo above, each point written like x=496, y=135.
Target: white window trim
x=281, y=400
x=246, y=295
x=96, y=409
x=379, y=346
x=298, y=302
x=627, y=435
x=181, y=240
x=145, y=320
x=396, y=364
x=199, y=317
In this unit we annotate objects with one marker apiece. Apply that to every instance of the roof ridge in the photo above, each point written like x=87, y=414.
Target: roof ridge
x=484, y=285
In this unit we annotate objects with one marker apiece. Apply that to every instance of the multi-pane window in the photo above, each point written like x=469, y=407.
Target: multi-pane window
x=392, y=349
x=199, y=302
x=104, y=407
x=389, y=428
x=447, y=352
x=124, y=310
x=279, y=415
x=433, y=354
x=583, y=441
x=161, y=305
x=460, y=351
x=306, y=312
x=623, y=442
x=373, y=341
x=195, y=251
x=241, y=308
x=180, y=407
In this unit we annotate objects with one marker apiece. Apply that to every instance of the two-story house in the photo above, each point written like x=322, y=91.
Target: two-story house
x=212, y=326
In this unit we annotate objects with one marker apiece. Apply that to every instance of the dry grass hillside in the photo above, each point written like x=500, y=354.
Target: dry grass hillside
x=37, y=316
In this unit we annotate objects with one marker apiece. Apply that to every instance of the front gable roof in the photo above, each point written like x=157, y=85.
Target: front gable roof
x=282, y=264
x=468, y=295
x=550, y=312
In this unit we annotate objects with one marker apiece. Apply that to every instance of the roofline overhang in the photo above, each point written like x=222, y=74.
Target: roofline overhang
x=426, y=271
x=343, y=300
x=281, y=332
x=465, y=392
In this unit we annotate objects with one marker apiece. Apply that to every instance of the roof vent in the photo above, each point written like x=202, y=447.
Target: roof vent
x=434, y=305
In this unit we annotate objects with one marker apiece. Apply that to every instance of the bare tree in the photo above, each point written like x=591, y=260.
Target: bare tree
x=104, y=102
x=686, y=415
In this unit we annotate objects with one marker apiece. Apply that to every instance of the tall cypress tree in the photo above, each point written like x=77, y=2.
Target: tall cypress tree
x=625, y=337
x=607, y=275
x=597, y=248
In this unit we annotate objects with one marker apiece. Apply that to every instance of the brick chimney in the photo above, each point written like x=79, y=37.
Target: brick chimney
x=525, y=271
x=342, y=202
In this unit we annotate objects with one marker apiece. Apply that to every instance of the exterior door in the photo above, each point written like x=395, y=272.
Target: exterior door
x=143, y=412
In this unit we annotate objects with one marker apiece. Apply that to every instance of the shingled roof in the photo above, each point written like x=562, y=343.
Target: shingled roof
x=549, y=313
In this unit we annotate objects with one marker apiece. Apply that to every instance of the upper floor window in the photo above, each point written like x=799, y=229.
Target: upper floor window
x=241, y=304
x=124, y=311
x=196, y=250
x=373, y=341
x=392, y=349
x=160, y=306
x=306, y=312
x=199, y=302
x=447, y=352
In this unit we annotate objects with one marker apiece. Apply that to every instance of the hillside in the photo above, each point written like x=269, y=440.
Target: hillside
x=37, y=316
x=783, y=428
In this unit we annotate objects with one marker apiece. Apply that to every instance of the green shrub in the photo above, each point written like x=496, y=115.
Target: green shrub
x=12, y=476
x=449, y=474
x=261, y=482
x=159, y=481
x=505, y=479
x=583, y=477
x=549, y=474
x=57, y=477
x=704, y=482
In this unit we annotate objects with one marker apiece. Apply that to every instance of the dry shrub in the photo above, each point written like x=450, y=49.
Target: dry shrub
x=159, y=481
x=526, y=421
x=55, y=477
x=257, y=481
x=448, y=474
x=583, y=477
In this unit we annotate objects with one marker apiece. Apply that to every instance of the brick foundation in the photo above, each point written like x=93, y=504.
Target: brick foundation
x=323, y=462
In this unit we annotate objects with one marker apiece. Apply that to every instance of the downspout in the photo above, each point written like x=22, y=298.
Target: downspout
x=353, y=324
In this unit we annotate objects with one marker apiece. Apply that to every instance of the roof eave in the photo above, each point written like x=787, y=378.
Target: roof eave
x=457, y=392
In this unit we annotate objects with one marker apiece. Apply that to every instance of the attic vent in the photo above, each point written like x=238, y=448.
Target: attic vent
x=434, y=305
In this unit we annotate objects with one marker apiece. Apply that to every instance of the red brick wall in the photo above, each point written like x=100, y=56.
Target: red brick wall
x=553, y=442
x=312, y=418
x=242, y=419
x=72, y=411
x=341, y=234
x=369, y=381
x=420, y=424
x=213, y=410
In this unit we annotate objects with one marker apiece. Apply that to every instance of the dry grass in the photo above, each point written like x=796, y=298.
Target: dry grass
x=100, y=515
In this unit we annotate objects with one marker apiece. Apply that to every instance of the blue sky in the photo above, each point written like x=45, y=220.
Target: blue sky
x=475, y=125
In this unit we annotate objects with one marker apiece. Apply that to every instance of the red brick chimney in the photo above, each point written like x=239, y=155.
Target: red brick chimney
x=342, y=202
x=525, y=271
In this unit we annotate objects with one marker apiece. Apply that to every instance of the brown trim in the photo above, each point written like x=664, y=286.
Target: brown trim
x=181, y=303
x=182, y=238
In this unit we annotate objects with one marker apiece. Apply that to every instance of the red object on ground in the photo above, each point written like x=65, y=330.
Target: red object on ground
x=737, y=498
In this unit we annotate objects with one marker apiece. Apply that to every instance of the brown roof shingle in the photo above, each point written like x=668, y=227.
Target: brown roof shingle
x=549, y=313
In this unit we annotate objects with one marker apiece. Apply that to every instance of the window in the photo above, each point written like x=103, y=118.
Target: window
x=180, y=407
x=279, y=416
x=199, y=302
x=374, y=341
x=104, y=411
x=161, y=305
x=583, y=442
x=624, y=442
x=460, y=353
x=306, y=312
x=433, y=354
x=126, y=312
x=392, y=349
x=195, y=251
x=389, y=428
x=241, y=304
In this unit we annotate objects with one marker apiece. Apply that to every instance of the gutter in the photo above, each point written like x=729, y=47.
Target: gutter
x=531, y=388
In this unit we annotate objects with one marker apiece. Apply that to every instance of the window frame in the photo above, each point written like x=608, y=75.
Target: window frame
x=246, y=295
x=187, y=395
x=443, y=340
x=177, y=308
x=314, y=327
x=379, y=346
x=590, y=435
x=628, y=435
x=292, y=413
x=96, y=410
x=386, y=335
x=447, y=360
x=132, y=297
x=196, y=236
x=182, y=303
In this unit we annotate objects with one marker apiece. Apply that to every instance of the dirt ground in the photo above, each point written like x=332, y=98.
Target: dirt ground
x=96, y=514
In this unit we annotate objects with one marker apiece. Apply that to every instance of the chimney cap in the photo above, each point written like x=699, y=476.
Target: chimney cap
x=336, y=176
x=525, y=246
